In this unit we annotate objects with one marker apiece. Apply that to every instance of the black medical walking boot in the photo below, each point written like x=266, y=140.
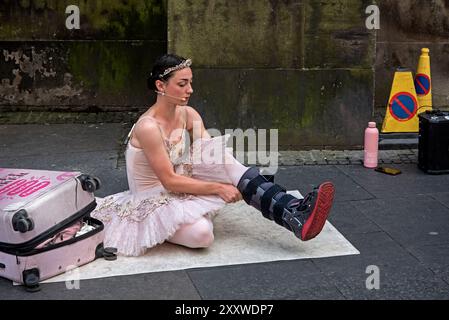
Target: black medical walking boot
x=304, y=217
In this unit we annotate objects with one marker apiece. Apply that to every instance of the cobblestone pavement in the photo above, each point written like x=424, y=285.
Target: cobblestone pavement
x=342, y=157
x=323, y=157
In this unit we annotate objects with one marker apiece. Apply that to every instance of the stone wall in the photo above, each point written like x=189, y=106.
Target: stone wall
x=101, y=66
x=303, y=67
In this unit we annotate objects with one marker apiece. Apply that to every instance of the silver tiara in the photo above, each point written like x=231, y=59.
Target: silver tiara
x=182, y=65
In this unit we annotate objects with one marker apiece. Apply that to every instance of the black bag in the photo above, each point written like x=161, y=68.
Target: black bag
x=433, y=143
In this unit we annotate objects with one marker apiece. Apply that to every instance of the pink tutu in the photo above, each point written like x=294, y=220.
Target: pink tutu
x=136, y=221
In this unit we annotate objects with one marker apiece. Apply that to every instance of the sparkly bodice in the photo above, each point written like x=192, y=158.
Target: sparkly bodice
x=140, y=174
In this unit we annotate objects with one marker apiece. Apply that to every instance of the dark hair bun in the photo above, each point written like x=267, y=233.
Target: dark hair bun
x=160, y=65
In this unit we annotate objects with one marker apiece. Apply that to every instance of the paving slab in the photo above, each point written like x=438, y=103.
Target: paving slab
x=411, y=181
x=152, y=286
x=442, y=197
x=410, y=220
x=401, y=275
x=290, y=280
x=349, y=219
x=39, y=140
x=434, y=256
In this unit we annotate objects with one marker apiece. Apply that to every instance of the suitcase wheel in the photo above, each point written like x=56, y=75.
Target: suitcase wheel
x=21, y=222
x=89, y=184
x=31, y=280
x=108, y=253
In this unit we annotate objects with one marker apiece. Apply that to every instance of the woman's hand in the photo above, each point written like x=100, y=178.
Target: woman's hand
x=229, y=193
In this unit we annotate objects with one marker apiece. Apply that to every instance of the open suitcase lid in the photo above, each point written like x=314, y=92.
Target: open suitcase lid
x=20, y=186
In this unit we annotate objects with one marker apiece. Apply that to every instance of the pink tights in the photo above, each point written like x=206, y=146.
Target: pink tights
x=199, y=234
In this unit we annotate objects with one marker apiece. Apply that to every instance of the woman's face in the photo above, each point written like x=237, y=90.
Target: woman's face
x=179, y=87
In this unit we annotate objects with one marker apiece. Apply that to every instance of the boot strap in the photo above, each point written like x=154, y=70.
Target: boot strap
x=266, y=198
x=279, y=206
x=251, y=188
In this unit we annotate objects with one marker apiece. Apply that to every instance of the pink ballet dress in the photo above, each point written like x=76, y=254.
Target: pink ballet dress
x=147, y=214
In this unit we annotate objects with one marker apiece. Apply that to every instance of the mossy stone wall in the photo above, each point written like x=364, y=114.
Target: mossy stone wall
x=302, y=67
x=101, y=66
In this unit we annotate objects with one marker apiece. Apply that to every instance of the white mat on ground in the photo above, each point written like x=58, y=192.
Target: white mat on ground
x=242, y=235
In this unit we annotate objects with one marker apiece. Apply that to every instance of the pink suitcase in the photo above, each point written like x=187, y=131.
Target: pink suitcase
x=40, y=226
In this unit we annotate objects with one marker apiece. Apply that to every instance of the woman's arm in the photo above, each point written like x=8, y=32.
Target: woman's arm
x=151, y=141
x=195, y=122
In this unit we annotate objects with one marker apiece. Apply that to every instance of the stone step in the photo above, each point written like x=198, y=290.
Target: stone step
x=394, y=141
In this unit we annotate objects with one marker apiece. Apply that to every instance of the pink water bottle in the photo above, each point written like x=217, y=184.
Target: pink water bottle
x=371, y=146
